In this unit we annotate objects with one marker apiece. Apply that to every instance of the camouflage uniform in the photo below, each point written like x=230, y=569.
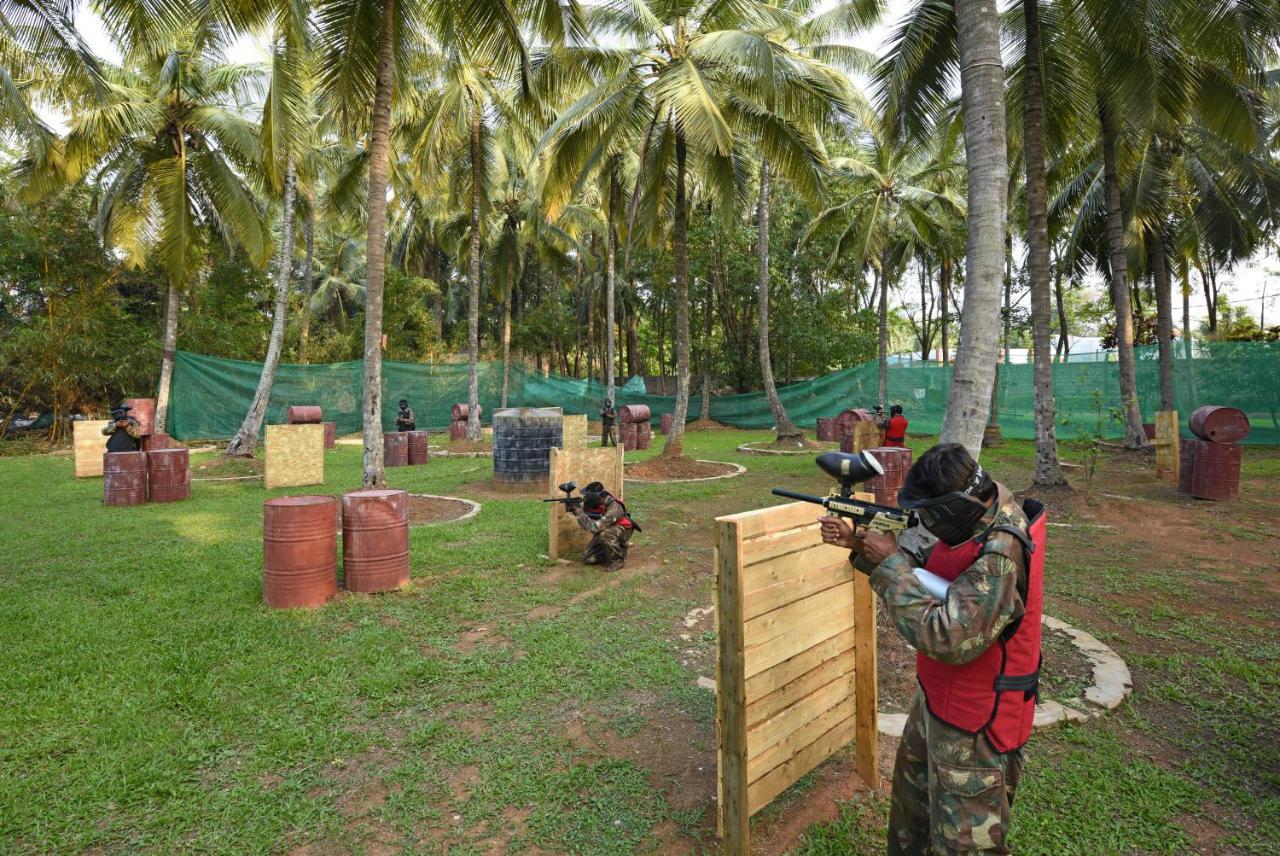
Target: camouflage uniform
x=608, y=416
x=131, y=429
x=609, y=541
x=952, y=791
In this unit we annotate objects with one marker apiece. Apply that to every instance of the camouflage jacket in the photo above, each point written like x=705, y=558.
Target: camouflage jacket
x=980, y=602
x=132, y=428
x=613, y=512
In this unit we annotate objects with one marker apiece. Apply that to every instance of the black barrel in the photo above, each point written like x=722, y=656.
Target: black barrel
x=522, y=442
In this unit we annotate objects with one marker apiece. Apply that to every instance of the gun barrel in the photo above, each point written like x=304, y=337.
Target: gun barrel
x=803, y=497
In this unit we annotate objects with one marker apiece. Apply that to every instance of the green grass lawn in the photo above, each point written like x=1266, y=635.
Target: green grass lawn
x=151, y=703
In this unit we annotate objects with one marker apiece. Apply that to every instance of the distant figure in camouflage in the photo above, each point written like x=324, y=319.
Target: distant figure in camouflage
x=608, y=416
x=967, y=597
x=405, y=420
x=124, y=434
x=611, y=527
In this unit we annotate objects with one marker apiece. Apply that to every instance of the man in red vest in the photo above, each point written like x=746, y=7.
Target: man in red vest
x=895, y=430
x=966, y=595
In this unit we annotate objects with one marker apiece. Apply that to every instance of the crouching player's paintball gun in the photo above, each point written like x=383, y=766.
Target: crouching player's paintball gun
x=850, y=469
x=571, y=502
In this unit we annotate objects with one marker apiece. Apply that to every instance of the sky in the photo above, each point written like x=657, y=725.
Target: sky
x=1255, y=286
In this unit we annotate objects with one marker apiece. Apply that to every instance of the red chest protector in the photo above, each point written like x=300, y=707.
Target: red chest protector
x=996, y=693
x=625, y=521
x=896, y=432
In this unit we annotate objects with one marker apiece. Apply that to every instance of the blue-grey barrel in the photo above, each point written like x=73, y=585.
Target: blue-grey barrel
x=522, y=441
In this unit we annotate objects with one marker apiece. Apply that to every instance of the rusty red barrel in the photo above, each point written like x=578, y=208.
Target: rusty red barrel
x=152, y=442
x=169, y=475
x=644, y=435
x=1219, y=424
x=844, y=422
x=667, y=420
x=124, y=478
x=144, y=410
x=827, y=430
x=633, y=413
x=1187, y=464
x=629, y=435
x=462, y=412
x=303, y=414
x=330, y=434
x=395, y=449
x=458, y=430
x=895, y=462
x=417, y=447
x=1217, y=471
x=299, y=550
x=375, y=540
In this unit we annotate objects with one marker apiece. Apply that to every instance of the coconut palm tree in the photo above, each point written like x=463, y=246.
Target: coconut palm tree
x=169, y=142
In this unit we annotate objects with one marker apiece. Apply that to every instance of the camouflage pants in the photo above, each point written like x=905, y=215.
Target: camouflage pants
x=951, y=791
x=610, y=438
x=608, y=546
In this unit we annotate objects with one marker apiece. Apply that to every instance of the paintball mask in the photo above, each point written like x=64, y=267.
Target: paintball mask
x=952, y=516
x=120, y=412
x=593, y=495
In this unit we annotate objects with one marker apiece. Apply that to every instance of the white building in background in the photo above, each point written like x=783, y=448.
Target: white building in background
x=1080, y=349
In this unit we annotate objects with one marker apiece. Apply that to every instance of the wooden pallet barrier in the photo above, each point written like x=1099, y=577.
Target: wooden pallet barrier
x=294, y=456
x=581, y=465
x=796, y=672
x=1168, y=446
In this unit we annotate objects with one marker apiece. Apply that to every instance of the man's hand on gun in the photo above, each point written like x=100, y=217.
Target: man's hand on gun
x=875, y=547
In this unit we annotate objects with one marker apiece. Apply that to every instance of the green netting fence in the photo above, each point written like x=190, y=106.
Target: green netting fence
x=211, y=395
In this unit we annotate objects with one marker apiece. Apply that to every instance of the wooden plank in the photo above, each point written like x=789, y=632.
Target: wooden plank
x=790, y=719
x=805, y=636
x=864, y=656
x=762, y=706
x=766, y=760
x=770, y=680
x=89, y=446
x=781, y=543
x=775, y=518
x=778, y=582
x=784, y=775
x=734, y=817
x=810, y=610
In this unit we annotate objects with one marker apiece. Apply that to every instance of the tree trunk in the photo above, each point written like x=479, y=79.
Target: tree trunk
x=1135, y=437
x=171, y=308
x=1064, y=335
x=634, y=364
x=1186, y=309
x=982, y=97
x=783, y=426
x=708, y=309
x=944, y=283
x=307, y=273
x=883, y=348
x=246, y=439
x=506, y=345
x=591, y=318
x=610, y=297
x=1164, y=317
x=674, y=447
x=473, y=291
x=1210, y=298
x=376, y=251
x=1048, y=471
x=991, y=434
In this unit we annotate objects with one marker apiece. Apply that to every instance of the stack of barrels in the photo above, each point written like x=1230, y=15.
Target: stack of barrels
x=458, y=415
x=634, y=428
x=827, y=430
x=330, y=434
x=300, y=546
x=418, y=453
x=395, y=449
x=312, y=414
x=522, y=441
x=896, y=462
x=159, y=472
x=857, y=431
x=1210, y=466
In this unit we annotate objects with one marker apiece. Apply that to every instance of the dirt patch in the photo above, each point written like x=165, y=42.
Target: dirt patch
x=430, y=509
x=706, y=425
x=663, y=468
x=220, y=466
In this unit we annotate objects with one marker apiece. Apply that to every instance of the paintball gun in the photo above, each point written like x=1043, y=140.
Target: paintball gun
x=849, y=469
x=571, y=502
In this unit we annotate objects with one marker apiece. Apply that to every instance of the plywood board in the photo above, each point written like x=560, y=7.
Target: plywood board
x=90, y=446
x=582, y=465
x=796, y=669
x=575, y=432
x=295, y=455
